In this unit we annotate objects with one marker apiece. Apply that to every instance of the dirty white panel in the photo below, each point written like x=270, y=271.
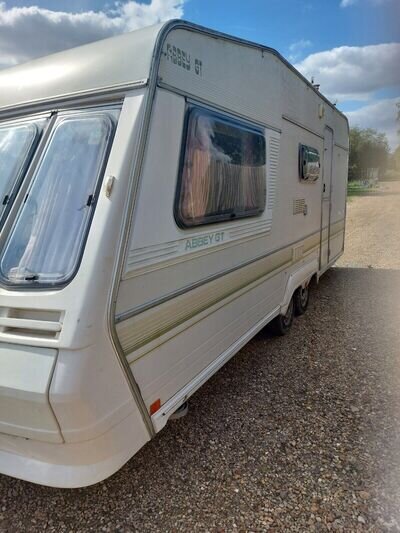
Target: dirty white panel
x=224, y=73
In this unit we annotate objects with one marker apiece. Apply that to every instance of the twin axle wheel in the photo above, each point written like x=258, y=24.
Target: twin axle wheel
x=301, y=298
x=297, y=306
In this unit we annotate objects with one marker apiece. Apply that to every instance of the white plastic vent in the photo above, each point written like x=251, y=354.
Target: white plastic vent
x=299, y=206
x=37, y=323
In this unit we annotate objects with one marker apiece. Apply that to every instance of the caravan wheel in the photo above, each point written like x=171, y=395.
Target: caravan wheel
x=301, y=298
x=282, y=323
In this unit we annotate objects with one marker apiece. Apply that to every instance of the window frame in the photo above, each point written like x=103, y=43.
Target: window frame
x=27, y=161
x=302, y=148
x=245, y=124
x=59, y=117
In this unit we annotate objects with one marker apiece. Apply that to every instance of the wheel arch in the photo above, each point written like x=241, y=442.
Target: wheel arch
x=304, y=274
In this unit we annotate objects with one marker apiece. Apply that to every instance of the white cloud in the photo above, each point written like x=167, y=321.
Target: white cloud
x=134, y=15
x=29, y=32
x=350, y=73
x=296, y=49
x=299, y=45
x=347, y=3
x=354, y=72
x=381, y=116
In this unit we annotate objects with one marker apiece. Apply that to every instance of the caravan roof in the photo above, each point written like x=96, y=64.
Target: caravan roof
x=114, y=64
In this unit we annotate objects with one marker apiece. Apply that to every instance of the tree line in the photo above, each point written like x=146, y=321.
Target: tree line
x=370, y=155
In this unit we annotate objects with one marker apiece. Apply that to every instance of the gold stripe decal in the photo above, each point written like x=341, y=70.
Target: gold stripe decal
x=139, y=330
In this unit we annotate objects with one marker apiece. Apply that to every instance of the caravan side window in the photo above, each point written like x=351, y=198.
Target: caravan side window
x=223, y=170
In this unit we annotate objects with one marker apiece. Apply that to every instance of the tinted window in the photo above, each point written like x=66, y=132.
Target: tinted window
x=47, y=236
x=223, y=174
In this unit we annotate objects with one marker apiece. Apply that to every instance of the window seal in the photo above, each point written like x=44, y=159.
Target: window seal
x=181, y=222
x=307, y=148
x=38, y=286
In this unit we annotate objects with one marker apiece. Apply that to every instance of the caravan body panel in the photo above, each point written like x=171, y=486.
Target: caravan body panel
x=188, y=295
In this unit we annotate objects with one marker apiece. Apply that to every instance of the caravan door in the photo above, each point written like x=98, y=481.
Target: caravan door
x=325, y=253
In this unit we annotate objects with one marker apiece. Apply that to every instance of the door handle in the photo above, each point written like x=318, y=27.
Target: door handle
x=324, y=188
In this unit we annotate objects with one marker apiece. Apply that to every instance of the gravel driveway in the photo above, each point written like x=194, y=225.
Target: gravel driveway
x=372, y=230
x=300, y=433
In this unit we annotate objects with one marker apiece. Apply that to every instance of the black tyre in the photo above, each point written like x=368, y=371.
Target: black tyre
x=282, y=323
x=301, y=298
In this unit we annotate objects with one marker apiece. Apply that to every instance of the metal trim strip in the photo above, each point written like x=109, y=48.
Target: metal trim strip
x=97, y=93
x=300, y=125
x=162, y=319
x=341, y=146
x=190, y=305
x=122, y=245
x=140, y=309
x=197, y=100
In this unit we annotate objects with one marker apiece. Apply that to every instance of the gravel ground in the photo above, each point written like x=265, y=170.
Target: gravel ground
x=300, y=433
x=372, y=229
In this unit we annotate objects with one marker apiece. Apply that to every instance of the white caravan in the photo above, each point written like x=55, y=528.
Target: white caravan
x=164, y=194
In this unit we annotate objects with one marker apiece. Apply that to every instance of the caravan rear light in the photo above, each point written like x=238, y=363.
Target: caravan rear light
x=155, y=406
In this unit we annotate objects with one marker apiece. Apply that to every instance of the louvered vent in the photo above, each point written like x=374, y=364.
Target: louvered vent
x=272, y=170
x=33, y=323
x=299, y=206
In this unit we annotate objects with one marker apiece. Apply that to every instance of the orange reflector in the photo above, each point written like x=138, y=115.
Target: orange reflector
x=155, y=406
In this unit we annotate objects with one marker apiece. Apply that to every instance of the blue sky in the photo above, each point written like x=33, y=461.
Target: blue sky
x=277, y=23
x=351, y=47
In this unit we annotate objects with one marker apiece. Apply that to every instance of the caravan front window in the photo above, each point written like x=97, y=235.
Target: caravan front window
x=44, y=244
x=16, y=143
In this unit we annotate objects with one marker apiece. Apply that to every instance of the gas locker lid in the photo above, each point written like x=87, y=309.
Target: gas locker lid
x=25, y=375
